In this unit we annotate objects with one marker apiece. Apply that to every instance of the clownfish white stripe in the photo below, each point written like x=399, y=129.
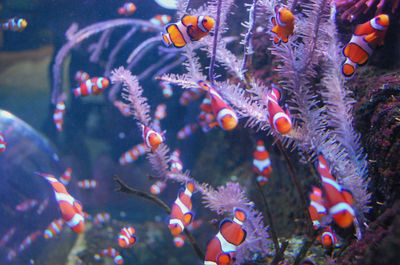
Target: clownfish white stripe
x=183, y=30
x=224, y=112
x=280, y=115
x=75, y=220
x=125, y=239
x=342, y=206
x=177, y=221
x=260, y=148
x=278, y=20
x=321, y=165
x=359, y=41
x=58, y=115
x=271, y=99
x=183, y=207
x=156, y=189
x=348, y=61
x=164, y=19
x=316, y=223
x=225, y=245
x=376, y=25
x=238, y=221
x=330, y=235
x=89, y=86
x=188, y=192
x=332, y=183
x=99, y=84
x=200, y=24
x=209, y=263
x=51, y=179
x=261, y=164
x=320, y=208
x=65, y=197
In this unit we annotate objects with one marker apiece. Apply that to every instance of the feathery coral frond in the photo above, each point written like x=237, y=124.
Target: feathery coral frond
x=159, y=160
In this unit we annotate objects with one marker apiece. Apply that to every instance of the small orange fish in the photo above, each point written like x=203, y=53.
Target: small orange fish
x=181, y=215
x=126, y=238
x=328, y=238
x=262, y=163
x=151, y=138
x=316, y=208
x=15, y=24
x=58, y=115
x=66, y=176
x=87, y=184
x=158, y=187
x=283, y=24
x=161, y=111
x=101, y=219
x=26, y=205
x=176, y=163
x=190, y=28
x=93, y=86
x=365, y=39
x=53, y=229
x=186, y=131
x=28, y=240
x=279, y=119
x=166, y=89
x=189, y=95
x=127, y=9
x=179, y=240
x=133, y=154
x=114, y=254
x=81, y=76
x=158, y=20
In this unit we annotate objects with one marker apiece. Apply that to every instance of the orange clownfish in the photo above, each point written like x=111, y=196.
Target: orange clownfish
x=133, y=154
x=328, y=238
x=166, y=89
x=158, y=187
x=181, y=214
x=127, y=9
x=179, y=240
x=66, y=176
x=158, y=20
x=26, y=205
x=283, y=24
x=176, y=163
x=58, y=115
x=338, y=200
x=189, y=95
x=365, y=39
x=87, y=184
x=3, y=143
x=92, y=86
x=53, y=229
x=279, y=119
x=126, y=238
x=28, y=240
x=151, y=138
x=226, y=117
x=186, y=131
x=190, y=28
x=113, y=253
x=161, y=111
x=81, y=76
x=316, y=208
x=221, y=249
x=15, y=24
x=262, y=163
x=71, y=209
x=101, y=219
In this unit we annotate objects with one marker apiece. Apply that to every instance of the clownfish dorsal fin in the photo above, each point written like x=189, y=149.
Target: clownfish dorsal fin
x=203, y=85
x=273, y=21
x=240, y=214
x=183, y=20
x=370, y=37
x=190, y=31
x=224, y=223
x=187, y=217
x=190, y=186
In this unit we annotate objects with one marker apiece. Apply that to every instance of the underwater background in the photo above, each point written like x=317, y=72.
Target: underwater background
x=251, y=66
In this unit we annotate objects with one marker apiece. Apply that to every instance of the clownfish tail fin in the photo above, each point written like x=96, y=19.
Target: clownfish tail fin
x=166, y=39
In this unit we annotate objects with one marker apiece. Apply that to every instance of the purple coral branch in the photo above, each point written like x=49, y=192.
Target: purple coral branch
x=247, y=43
x=215, y=40
x=98, y=47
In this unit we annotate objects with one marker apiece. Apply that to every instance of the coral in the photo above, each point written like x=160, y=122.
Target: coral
x=354, y=8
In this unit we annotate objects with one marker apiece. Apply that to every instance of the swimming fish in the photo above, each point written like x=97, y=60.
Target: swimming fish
x=15, y=24
x=127, y=9
x=186, y=131
x=66, y=176
x=176, y=163
x=71, y=209
x=126, y=238
x=81, y=76
x=151, y=138
x=283, y=24
x=92, y=86
x=206, y=104
x=166, y=89
x=365, y=39
x=221, y=249
x=179, y=240
x=42, y=206
x=28, y=240
x=114, y=254
x=158, y=187
x=158, y=20
x=226, y=117
x=262, y=163
x=11, y=254
x=338, y=200
x=189, y=95
x=26, y=205
x=54, y=228
x=3, y=143
x=190, y=28
x=125, y=109
x=58, y=115
x=328, y=238
x=207, y=121
x=4, y=240
x=133, y=154
x=161, y=111
x=87, y=184
x=181, y=214
x=316, y=208
x=279, y=119
x=101, y=219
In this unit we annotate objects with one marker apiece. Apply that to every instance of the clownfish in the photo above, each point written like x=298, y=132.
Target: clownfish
x=28, y=240
x=92, y=86
x=101, y=219
x=189, y=95
x=42, y=206
x=186, y=131
x=181, y=215
x=114, y=254
x=176, y=163
x=226, y=117
x=166, y=89
x=157, y=187
x=81, y=76
x=123, y=108
x=151, y=138
x=11, y=254
x=70, y=208
x=207, y=121
x=161, y=111
x=283, y=24
x=179, y=241
x=126, y=238
x=3, y=143
x=53, y=229
x=280, y=120
x=26, y=205
x=328, y=238
x=127, y=9
x=4, y=240
x=87, y=184
x=66, y=176
x=316, y=208
x=158, y=20
x=190, y=28
x=15, y=24
x=206, y=105
x=365, y=39
x=133, y=154
x=221, y=249
x=58, y=115
x=338, y=200
x=262, y=163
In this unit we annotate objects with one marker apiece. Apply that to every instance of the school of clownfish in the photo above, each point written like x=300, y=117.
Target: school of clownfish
x=332, y=202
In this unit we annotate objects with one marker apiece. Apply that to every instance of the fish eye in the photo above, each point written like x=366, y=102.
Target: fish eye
x=205, y=20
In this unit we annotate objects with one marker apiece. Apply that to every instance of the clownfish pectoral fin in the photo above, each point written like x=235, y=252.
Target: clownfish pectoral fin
x=190, y=32
x=224, y=258
x=188, y=217
x=273, y=21
x=166, y=39
x=285, y=39
x=371, y=37
x=348, y=196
